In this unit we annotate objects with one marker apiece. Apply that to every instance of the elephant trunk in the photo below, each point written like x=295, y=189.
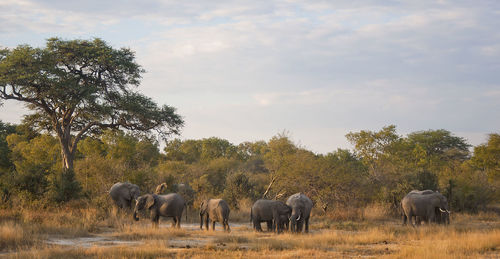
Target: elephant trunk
x=293, y=223
x=135, y=216
x=294, y=220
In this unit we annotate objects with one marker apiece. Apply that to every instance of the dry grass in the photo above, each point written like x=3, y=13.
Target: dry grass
x=146, y=232
x=13, y=235
x=25, y=232
x=451, y=244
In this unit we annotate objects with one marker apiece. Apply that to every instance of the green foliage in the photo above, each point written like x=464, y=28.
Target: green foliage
x=237, y=187
x=6, y=164
x=383, y=167
x=114, y=157
x=35, y=161
x=63, y=186
x=193, y=151
x=486, y=160
x=76, y=88
x=342, y=181
x=469, y=190
x=487, y=157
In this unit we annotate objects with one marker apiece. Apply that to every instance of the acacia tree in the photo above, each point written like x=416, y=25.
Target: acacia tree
x=79, y=87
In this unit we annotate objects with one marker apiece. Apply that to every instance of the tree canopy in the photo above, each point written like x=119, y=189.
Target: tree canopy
x=81, y=87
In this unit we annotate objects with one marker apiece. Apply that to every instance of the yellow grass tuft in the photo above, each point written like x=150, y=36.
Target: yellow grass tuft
x=13, y=236
x=147, y=232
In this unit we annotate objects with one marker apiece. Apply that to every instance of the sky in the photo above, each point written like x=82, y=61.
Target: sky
x=249, y=70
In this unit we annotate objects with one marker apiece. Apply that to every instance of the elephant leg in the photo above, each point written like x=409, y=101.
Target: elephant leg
x=405, y=218
x=257, y=226
x=430, y=219
x=300, y=226
x=269, y=225
x=123, y=203
x=227, y=226
x=307, y=224
x=213, y=225
x=206, y=222
x=179, y=221
x=155, y=219
x=174, y=222
x=413, y=220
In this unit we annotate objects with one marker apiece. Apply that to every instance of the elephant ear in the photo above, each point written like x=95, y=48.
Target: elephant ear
x=150, y=201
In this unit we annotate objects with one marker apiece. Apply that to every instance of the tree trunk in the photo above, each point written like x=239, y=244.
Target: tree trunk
x=269, y=186
x=66, y=154
x=67, y=188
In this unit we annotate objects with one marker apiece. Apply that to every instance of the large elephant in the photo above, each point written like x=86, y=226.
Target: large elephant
x=274, y=213
x=183, y=189
x=215, y=210
x=301, y=211
x=124, y=194
x=425, y=205
x=170, y=205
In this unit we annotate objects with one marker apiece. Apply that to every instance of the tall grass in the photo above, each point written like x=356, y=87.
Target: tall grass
x=13, y=235
x=469, y=235
x=452, y=244
x=146, y=232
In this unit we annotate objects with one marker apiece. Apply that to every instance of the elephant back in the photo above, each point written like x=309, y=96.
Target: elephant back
x=262, y=209
x=120, y=188
x=172, y=197
x=171, y=204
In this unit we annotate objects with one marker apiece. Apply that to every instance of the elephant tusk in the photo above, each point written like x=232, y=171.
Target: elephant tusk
x=298, y=218
x=447, y=211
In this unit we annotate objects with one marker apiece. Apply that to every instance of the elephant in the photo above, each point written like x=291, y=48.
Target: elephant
x=425, y=205
x=274, y=213
x=124, y=194
x=170, y=205
x=215, y=210
x=301, y=211
x=183, y=189
x=442, y=217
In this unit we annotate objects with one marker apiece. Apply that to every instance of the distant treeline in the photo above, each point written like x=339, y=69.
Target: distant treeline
x=382, y=167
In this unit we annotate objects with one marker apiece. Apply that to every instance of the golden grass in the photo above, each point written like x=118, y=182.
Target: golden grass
x=23, y=234
x=12, y=235
x=147, y=232
x=452, y=244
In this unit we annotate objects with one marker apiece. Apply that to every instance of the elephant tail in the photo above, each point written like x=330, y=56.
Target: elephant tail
x=186, y=207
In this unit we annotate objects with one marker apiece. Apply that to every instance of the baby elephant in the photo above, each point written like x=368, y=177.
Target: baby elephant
x=216, y=210
x=275, y=213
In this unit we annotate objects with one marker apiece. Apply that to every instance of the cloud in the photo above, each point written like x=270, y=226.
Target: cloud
x=298, y=65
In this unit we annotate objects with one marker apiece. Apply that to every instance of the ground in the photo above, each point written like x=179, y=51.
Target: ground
x=80, y=234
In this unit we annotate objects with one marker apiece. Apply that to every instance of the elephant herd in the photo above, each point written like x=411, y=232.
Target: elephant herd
x=278, y=215
x=427, y=206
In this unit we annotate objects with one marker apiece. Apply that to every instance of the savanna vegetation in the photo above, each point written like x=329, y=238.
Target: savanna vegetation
x=90, y=128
